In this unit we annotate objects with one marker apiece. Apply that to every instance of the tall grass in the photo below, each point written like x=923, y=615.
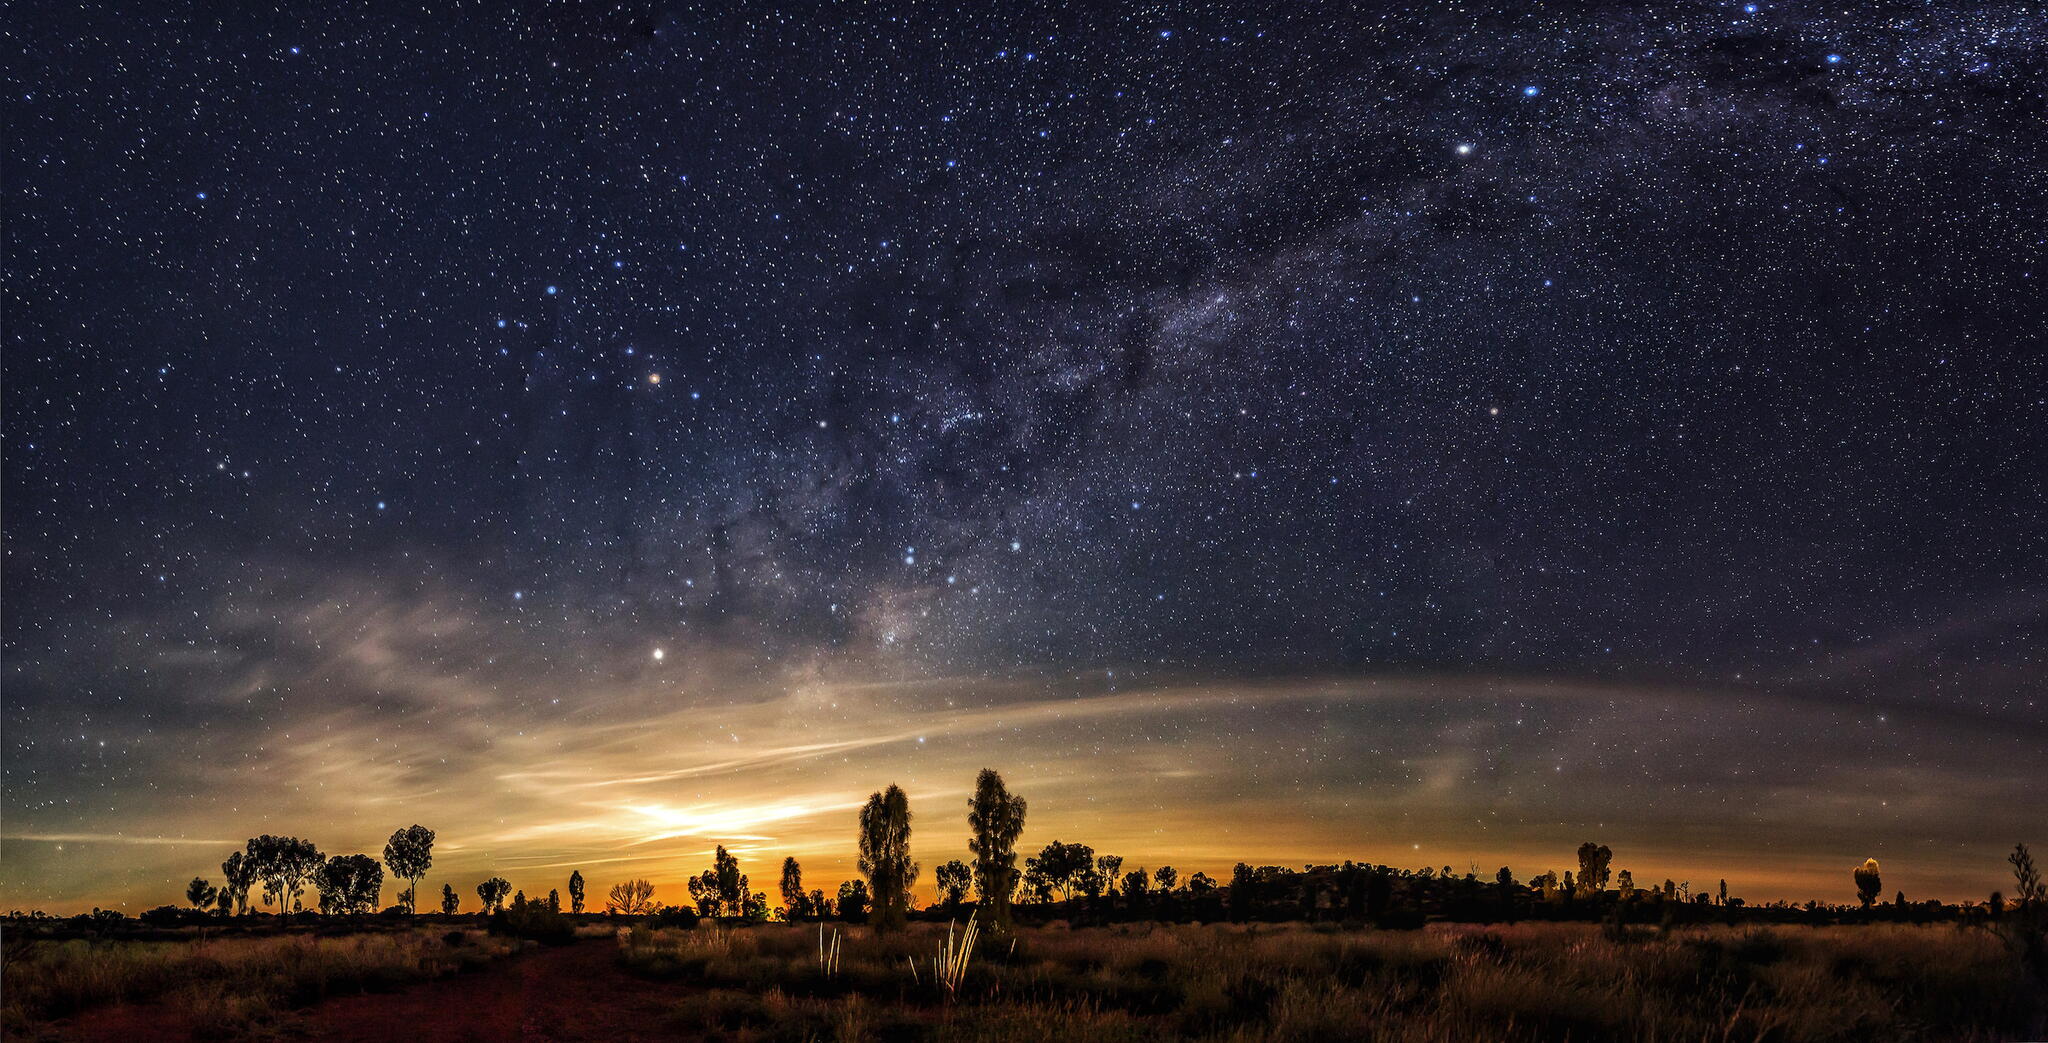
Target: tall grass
x=1296, y=982
x=949, y=967
x=224, y=982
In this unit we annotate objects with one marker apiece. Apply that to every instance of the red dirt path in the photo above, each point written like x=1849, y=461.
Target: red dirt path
x=575, y=992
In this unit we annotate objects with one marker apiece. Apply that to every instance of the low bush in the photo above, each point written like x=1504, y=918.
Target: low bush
x=220, y=980
x=1295, y=982
x=535, y=922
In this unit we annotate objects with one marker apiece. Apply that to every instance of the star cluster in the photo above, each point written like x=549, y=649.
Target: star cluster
x=560, y=393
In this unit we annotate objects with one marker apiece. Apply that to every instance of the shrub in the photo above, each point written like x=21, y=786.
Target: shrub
x=173, y=916
x=533, y=921
x=674, y=916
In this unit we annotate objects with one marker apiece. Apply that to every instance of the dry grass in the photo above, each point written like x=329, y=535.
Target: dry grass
x=1294, y=982
x=228, y=985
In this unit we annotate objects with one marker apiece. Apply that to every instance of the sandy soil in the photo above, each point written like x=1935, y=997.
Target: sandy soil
x=575, y=992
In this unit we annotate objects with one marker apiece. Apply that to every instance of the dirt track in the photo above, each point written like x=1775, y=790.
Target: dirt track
x=576, y=992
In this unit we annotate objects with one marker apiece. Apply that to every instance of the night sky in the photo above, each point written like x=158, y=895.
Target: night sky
x=1276, y=433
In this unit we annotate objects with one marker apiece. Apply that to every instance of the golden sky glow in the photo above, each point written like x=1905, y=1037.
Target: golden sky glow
x=640, y=769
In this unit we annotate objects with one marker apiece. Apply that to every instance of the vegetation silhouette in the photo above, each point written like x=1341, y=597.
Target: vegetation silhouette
x=1227, y=960
x=1070, y=881
x=492, y=893
x=953, y=879
x=631, y=898
x=349, y=884
x=1868, y=883
x=885, y=856
x=409, y=854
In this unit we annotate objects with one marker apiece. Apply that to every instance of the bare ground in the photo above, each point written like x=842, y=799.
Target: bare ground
x=575, y=992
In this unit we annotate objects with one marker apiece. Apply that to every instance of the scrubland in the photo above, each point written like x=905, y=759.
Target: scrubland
x=1299, y=982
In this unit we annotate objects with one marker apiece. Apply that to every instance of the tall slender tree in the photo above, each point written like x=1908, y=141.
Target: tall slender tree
x=885, y=856
x=731, y=884
x=795, y=902
x=576, y=891
x=409, y=854
x=450, y=901
x=240, y=873
x=996, y=819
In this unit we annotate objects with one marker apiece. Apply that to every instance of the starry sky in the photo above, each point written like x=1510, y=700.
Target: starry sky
x=1282, y=433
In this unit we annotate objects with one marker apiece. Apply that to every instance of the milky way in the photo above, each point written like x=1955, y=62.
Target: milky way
x=1434, y=436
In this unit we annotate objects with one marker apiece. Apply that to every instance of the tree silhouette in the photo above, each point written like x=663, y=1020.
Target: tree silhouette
x=754, y=906
x=1108, y=870
x=1626, y=884
x=200, y=893
x=704, y=893
x=450, y=901
x=1134, y=886
x=953, y=878
x=240, y=873
x=2031, y=892
x=1242, y=891
x=1167, y=876
x=285, y=865
x=409, y=854
x=1593, y=862
x=1722, y=895
x=995, y=818
x=885, y=855
x=631, y=898
x=731, y=883
x=853, y=901
x=492, y=893
x=795, y=903
x=576, y=891
x=224, y=901
x=1868, y=884
x=1092, y=881
x=1060, y=868
x=349, y=884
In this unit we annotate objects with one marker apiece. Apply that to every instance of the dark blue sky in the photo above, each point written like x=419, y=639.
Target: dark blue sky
x=1696, y=344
